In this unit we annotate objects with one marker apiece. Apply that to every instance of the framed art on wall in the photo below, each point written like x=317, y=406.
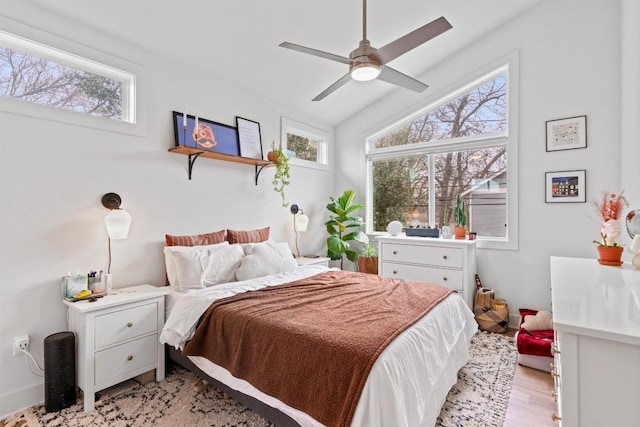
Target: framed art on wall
x=566, y=187
x=567, y=134
x=205, y=134
x=249, y=138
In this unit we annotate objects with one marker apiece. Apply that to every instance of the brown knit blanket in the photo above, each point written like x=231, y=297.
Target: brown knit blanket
x=311, y=343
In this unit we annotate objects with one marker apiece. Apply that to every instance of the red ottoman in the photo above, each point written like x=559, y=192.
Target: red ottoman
x=534, y=347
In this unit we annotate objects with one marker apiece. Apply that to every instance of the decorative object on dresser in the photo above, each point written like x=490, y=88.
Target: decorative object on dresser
x=450, y=263
x=565, y=187
x=118, y=222
x=596, y=313
x=609, y=208
x=281, y=177
x=633, y=223
x=117, y=338
x=300, y=223
x=394, y=228
x=368, y=260
x=249, y=138
x=343, y=227
x=460, y=217
x=634, y=248
x=567, y=134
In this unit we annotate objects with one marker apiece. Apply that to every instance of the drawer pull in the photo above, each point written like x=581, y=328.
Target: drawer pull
x=129, y=325
x=130, y=358
x=555, y=417
x=554, y=350
x=552, y=366
x=395, y=252
x=444, y=279
x=554, y=374
x=395, y=272
x=444, y=257
x=555, y=396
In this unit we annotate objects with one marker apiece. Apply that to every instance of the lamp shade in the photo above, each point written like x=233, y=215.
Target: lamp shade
x=301, y=221
x=118, y=222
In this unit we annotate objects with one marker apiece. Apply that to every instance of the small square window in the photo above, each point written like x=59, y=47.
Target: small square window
x=305, y=145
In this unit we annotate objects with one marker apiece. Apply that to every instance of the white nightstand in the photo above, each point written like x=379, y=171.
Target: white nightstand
x=117, y=338
x=304, y=260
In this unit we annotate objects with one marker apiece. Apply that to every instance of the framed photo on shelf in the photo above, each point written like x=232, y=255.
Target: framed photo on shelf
x=566, y=187
x=567, y=134
x=208, y=136
x=249, y=138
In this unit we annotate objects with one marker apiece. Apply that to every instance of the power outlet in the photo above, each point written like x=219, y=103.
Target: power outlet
x=20, y=343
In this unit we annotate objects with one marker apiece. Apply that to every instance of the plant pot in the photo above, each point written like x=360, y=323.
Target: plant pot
x=610, y=255
x=460, y=232
x=271, y=156
x=368, y=265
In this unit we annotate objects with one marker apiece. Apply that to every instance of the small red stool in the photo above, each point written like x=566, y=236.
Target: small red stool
x=534, y=347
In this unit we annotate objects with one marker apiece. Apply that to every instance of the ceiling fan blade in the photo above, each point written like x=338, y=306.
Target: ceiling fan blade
x=409, y=41
x=341, y=82
x=395, y=77
x=315, y=52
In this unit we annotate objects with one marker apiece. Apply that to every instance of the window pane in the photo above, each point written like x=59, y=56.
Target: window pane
x=302, y=148
x=480, y=111
x=479, y=176
x=43, y=81
x=400, y=191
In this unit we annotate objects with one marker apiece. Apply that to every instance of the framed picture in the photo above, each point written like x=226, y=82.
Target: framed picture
x=566, y=187
x=249, y=138
x=209, y=135
x=567, y=134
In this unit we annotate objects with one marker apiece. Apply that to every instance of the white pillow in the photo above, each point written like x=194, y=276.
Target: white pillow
x=222, y=263
x=266, y=258
x=188, y=266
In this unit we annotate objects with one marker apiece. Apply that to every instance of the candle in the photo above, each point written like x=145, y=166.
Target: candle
x=184, y=118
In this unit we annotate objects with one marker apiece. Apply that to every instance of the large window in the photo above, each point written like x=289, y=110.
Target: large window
x=43, y=75
x=458, y=145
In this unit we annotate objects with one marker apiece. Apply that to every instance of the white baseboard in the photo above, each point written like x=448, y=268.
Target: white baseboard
x=12, y=403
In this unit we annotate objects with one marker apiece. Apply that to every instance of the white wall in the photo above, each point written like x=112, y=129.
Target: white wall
x=53, y=174
x=569, y=66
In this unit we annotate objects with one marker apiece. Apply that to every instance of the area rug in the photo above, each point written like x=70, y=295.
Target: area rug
x=479, y=398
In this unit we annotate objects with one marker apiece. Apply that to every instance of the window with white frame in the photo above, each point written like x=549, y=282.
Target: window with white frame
x=458, y=145
x=33, y=72
x=305, y=144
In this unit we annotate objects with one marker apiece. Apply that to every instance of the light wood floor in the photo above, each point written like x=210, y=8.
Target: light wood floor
x=530, y=403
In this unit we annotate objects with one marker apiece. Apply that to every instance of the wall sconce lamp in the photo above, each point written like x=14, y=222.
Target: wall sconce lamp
x=300, y=223
x=117, y=221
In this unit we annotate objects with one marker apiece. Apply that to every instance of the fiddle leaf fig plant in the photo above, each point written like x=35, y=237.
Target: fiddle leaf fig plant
x=343, y=227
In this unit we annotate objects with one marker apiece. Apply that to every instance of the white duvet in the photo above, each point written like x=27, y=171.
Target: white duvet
x=408, y=383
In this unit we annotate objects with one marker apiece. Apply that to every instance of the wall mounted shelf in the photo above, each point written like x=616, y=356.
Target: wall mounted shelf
x=194, y=153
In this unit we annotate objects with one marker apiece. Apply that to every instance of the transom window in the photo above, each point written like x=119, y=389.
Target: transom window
x=459, y=145
x=305, y=145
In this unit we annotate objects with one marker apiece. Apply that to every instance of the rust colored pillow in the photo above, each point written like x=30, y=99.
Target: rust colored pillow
x=196, y=240
x=248, y=236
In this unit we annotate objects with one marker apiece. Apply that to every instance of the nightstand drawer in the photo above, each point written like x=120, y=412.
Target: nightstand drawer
x=431, y=255
x=119, y=360
x=121, y=325
x=450, y=278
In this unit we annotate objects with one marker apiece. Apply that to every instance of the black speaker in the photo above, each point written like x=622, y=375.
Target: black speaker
x=59, y=371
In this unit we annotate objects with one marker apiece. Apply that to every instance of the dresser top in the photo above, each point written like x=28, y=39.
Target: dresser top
x=596, y=300
x=402, y=238
x=119, y=296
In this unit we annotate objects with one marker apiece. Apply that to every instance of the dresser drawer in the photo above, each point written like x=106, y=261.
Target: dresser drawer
x=125, y=324
x=448, y=277
x=415, y=254
x=119, y=360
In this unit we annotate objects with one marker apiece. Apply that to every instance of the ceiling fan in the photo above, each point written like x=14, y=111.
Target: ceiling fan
x=368, y=63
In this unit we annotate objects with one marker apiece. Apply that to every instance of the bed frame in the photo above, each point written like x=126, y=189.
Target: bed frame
x=275, y=416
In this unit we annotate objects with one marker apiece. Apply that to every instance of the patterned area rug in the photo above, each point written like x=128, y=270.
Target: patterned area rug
x=479, y=398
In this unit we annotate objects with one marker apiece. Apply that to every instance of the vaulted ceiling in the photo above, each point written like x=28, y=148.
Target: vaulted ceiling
x=238, y=40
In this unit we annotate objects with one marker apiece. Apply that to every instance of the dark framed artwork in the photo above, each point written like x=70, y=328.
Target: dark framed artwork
x=566, y=187
x=567, y=134
x=249, y=138
x=207, y=136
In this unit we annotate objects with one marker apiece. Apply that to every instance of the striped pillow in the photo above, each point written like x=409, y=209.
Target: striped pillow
x=196, y=240
x=248, y=236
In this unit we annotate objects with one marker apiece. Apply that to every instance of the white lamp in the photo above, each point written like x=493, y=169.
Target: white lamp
x=635, y=249
x=300, y=223
x=118, y=222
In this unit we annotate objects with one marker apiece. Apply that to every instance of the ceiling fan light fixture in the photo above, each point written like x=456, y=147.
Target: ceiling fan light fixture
x=365, y=72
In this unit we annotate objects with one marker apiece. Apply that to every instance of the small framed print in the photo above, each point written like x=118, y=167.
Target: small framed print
x=249, y=137
x=566, y=187
x=567, y=134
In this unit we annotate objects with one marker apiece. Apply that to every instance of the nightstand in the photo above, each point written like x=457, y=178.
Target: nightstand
x=304, y=260
x=117, y=338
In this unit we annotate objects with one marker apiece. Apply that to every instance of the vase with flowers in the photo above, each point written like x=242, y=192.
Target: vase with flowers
x=609, y=208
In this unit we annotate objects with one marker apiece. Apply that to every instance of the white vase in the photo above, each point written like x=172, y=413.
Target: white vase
x=612, y=229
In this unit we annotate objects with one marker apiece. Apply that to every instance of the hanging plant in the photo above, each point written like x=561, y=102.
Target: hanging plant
x=281, y=178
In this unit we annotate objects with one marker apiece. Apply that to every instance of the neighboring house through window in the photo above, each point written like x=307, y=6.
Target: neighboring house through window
x=305, y=144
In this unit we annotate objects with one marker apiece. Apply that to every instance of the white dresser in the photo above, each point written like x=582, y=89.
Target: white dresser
x=448, y=262
x=596, y=315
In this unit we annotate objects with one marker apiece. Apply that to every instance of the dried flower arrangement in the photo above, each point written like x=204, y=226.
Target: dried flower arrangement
x=610, y=205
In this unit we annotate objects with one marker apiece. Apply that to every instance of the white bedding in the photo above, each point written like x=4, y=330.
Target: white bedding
x=407, y=384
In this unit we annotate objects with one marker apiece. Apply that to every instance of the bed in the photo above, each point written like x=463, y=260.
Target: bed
x=405, y=384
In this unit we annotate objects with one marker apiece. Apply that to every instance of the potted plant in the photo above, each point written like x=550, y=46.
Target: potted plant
x=609, y=208
x=608, y=254
x=368, y=261
x=281, y=178
x=343, y=227
x=460, y=218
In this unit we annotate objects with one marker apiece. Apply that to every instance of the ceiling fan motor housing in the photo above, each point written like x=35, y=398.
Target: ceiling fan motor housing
x=362, y=60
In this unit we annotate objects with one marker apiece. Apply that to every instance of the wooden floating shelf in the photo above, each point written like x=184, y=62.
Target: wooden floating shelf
x=194, y=153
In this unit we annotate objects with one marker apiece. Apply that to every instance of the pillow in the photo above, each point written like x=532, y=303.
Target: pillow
x=195, y=240
x=222, y=263
x=266, y=258
x=541, y=321
x=248, y=236
x=185, y=263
